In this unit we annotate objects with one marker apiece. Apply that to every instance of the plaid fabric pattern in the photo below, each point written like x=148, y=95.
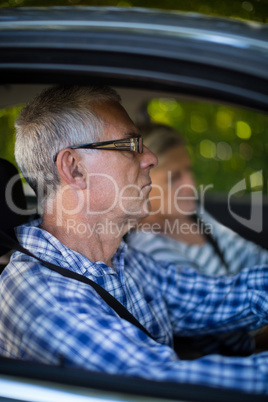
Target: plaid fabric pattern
x=52, y=319
x=238, y=253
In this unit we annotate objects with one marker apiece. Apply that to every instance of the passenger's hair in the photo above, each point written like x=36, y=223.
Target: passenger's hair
x=59, y=117
x=160, y=139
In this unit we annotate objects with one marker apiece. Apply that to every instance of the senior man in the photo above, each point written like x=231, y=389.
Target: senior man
x=83, y=156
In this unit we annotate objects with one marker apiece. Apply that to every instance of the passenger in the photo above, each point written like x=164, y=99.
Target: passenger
x=90, y=199
x=178, y=228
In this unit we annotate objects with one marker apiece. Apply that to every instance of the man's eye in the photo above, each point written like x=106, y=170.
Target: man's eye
x=129, y=154
x=175, y=177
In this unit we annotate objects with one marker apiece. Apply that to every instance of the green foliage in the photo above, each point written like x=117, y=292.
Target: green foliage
x=226, y=144
x=250, y=10
x=7, y=132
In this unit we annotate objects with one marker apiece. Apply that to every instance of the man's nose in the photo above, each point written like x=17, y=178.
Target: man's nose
x=149, y=159
x=188, y=178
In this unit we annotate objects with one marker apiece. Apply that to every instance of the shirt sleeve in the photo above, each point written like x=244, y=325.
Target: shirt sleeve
x=238, y=252
x=103, y=342
x=69, y=324
x=203, y=304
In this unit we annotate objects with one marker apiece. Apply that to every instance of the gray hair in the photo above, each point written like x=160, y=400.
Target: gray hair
x=160, y=138
x=59, y=117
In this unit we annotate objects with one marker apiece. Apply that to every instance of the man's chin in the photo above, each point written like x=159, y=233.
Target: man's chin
x=139, y=214
x=146, y=209
x=142, y=215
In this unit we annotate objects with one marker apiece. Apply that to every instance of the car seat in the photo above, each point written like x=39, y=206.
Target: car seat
x=12, y=201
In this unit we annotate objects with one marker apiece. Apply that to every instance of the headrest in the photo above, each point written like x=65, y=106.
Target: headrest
x=12, y=200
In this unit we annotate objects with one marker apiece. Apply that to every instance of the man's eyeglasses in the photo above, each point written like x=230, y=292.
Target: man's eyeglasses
x=133, y=144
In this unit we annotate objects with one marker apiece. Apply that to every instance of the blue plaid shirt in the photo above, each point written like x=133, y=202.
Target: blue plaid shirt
x=48, y=318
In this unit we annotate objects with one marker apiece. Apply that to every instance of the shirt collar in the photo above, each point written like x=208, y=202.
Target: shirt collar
x=44, y=245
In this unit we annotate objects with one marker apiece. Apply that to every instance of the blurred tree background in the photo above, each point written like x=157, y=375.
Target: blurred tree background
x=7, y=132
x=255, y=10
x=226, y=144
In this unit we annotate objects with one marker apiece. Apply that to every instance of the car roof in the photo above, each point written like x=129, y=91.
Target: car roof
x=185, y=53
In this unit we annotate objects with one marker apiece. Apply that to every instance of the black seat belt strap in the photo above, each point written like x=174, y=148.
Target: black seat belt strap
x=106, y=296
x=211, y=240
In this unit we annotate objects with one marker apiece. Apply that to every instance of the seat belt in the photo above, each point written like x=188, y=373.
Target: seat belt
x=106, y=296
x=207, y=233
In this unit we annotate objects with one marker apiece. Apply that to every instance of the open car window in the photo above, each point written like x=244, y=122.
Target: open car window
x=227, y=146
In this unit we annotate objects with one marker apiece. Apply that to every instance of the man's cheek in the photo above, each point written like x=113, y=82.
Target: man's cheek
x=103, y=194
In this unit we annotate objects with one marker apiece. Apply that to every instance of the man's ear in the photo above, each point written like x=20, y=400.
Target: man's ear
x=71, y=169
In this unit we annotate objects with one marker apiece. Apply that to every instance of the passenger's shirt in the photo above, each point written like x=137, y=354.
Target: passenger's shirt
x=52, y=319
x=237, y=252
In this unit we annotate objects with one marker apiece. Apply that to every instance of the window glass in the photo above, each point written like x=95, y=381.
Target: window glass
x=226, y=144
x=7, y=132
